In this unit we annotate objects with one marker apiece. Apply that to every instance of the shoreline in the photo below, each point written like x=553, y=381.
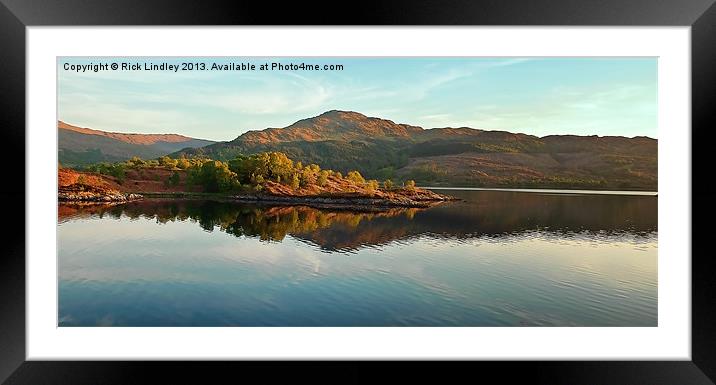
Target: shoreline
x=334, y=202
x=94, y=197
x=358, y=203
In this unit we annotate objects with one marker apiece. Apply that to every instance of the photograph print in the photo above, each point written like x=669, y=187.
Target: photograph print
x=357, y=191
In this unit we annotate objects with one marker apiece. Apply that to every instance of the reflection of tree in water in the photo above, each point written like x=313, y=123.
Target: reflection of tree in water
x=274, y=223
x=483, y=215
x=268, y=223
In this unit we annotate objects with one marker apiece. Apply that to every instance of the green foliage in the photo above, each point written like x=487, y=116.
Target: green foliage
x=214, y=176
x=183, y=163
x=273, y=166
x=252, y=171
x=277, y=167
x=116, y=170
x=323, y=177
x=409, y=184
x=309, y=175
x=372, y=185
x=257, y=179
x=137, y=162
x=295, y=181
x=355, y=177
x=168, y=162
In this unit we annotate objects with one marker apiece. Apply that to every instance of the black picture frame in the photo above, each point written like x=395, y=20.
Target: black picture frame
x=16, y=15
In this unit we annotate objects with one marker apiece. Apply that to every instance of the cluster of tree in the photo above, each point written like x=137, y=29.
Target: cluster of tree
x=119, y=169
x=243, y=172
x=116, y=170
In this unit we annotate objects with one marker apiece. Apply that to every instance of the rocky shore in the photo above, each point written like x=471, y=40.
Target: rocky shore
x=422, y=200
x=84, y=193
x=336, y=193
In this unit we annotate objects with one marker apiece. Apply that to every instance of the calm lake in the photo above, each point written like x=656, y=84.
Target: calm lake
x=497, y=258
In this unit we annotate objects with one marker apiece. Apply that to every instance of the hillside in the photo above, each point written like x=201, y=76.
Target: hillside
x=79, y=146
x=379, y=148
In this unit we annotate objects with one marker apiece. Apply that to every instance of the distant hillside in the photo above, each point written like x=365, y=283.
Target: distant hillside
x=380, y=148
x=78, y=146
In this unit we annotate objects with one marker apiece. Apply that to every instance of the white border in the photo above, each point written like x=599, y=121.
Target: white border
x=670, y=340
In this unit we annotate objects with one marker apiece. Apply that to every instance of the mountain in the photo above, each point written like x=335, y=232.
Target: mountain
x=332, y=126
x=379, y=148
x=340, y=140
x=79, y=146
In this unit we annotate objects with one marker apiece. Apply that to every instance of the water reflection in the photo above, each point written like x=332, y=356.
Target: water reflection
x=493, y=259
x=483, y=214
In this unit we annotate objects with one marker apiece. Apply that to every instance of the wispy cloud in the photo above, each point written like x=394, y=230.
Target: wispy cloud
x=534, y=95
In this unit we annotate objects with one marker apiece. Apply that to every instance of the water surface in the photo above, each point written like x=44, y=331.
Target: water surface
x=498, y=258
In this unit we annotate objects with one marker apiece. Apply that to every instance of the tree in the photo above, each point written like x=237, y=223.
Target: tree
x=274, y=166
x=215, y=176
x=314, y=168
x=323, y=178
x=371, y=185
x=355, y=177
x=116, y=170
x=183, y=163
x=409, y=185
x=308, y=175
x=388, y=184
x=258, y=179
x=166, y=161
x=240, y=165
x=295, y=181
x=279, y=166
x=136, y=162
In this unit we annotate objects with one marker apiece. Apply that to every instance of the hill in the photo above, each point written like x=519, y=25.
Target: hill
x=79, y=146
x=379, y=148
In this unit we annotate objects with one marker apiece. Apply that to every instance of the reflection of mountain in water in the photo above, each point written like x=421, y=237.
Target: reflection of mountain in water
x=482, y=214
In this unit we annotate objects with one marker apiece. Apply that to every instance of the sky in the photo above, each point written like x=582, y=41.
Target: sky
x=538, y=96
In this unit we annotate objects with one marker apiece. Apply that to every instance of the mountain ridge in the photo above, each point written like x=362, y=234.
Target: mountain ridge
x=441, y=156
x=79, y=146
x=464, y=156
x=404, y=128
x=330, y=125
x=133, y=138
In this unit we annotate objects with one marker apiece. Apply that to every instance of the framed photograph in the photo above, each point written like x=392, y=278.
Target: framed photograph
x=471, y=184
